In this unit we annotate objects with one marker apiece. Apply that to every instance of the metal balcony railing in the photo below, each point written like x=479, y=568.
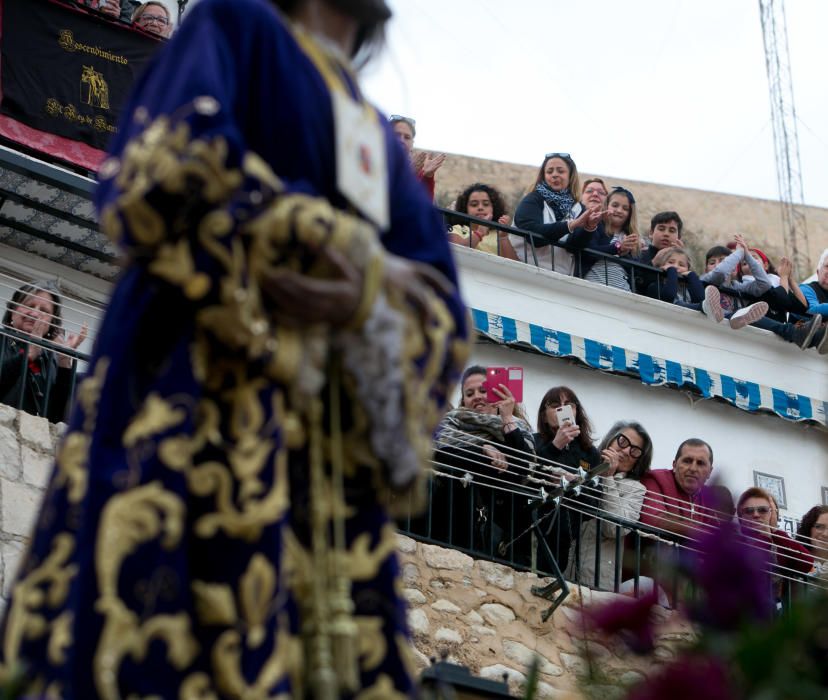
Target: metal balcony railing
x=510, y=519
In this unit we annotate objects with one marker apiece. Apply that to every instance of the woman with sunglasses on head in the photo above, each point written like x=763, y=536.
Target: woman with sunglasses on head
x=425, y=164
x=615, y=233
x=551, y=210
x=813, y=533
x=628, y=450
x=33, y=379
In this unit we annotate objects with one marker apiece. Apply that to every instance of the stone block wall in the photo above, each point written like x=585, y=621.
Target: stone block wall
x=27, y=448
x=484, y=616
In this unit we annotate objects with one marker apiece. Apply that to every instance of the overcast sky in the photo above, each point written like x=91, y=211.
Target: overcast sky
x=667, y=91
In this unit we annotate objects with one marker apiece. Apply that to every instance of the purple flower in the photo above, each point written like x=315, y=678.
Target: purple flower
x=688, y=678
x=630, y=619
x=732, y=579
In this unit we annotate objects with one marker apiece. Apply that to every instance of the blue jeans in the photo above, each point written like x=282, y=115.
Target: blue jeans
x=783, y=330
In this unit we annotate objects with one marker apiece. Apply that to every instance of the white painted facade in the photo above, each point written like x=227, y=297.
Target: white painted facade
x=742, y=442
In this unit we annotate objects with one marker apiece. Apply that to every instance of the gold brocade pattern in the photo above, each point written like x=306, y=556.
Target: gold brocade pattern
x=46, y=586
x=129, y=519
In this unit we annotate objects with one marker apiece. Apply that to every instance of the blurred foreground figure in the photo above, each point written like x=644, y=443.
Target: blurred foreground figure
x=272, y=364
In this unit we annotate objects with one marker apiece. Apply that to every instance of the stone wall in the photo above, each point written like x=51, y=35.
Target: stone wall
x=483, y=616
x=27, y=448
x=475, y=613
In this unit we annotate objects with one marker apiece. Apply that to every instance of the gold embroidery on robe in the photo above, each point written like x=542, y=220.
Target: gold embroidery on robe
x=23, y=620
x=128, y=520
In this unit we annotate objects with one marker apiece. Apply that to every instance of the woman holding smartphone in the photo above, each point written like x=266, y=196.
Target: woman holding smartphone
x=564, y=444
x=564, y=430
x=485, y=450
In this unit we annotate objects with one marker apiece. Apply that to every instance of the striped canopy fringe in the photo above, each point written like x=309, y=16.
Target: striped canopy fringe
x=651, y=370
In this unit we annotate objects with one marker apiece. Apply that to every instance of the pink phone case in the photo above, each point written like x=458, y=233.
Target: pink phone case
x=511, y=377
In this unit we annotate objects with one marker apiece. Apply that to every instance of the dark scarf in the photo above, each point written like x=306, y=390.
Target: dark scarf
x=561, y=202
x=463, y=427
x=821, y=294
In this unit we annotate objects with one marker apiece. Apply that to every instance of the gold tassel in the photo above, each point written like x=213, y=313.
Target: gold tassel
x=343, y=628
x=321, y=676
x=344, y=638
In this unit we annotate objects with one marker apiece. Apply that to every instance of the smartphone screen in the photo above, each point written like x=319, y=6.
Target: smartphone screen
x=565, y=415
x=511, y=377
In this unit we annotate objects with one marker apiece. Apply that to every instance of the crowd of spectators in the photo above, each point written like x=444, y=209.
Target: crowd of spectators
x=490, y=466
x=591, y=231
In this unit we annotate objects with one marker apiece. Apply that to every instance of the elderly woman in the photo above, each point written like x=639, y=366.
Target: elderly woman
x=36, y=380
x=813, y=534
x=483, y=202
x=487, y=448
x=551, y=210
x=153, y=17
x=628, y=450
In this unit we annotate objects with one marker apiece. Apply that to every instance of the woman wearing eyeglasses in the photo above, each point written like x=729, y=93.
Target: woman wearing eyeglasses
x=153, y=17
x=813, y=533
x=551, y=210
x=615, y=233
x=628, y=449
x=755, y=512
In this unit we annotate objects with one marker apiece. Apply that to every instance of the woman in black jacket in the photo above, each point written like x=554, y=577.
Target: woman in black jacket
x=562, y=448
x=551, y=210
x=31, y=378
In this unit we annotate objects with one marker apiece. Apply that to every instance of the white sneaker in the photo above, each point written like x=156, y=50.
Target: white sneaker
x=712, y=304
x=743, y=317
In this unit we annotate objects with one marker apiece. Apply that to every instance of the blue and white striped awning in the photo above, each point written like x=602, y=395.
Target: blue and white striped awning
x=652, y=370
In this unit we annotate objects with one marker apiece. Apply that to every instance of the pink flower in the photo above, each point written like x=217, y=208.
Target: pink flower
x=732, y=579
x=628, y=618
x=688, y=678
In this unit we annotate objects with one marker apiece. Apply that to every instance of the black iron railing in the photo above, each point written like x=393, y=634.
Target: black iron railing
x=34, y=391
x=636, y=271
